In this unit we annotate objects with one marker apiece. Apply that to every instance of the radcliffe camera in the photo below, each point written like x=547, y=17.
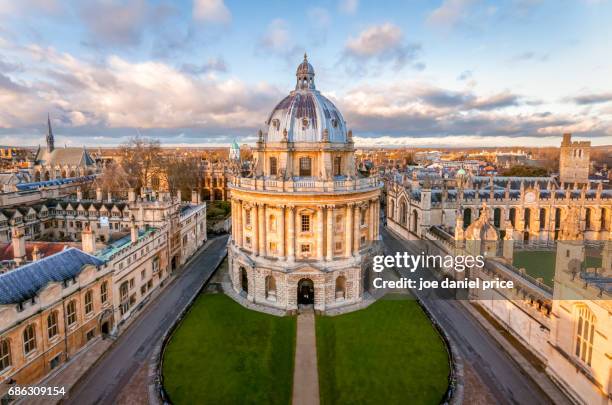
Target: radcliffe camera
x=340, y=202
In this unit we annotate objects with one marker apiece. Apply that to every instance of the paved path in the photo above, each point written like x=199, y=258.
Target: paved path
x=501, y=375
x=103, y=383
x=305, y=373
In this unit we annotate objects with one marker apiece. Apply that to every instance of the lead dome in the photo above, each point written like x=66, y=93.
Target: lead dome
x=305, y=115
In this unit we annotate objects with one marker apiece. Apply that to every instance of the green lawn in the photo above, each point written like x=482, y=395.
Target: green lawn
x=542, y=264
x=386, y=354
x=223, y=354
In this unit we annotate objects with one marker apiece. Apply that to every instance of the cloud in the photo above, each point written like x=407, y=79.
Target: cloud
x=320, y=17
x=425, y=111
x=348, y=6
x=111, y=23
x=384, y=43
x=277, y=40
x=112, y=97
x=529, y=56
x=450, y=13
x=212, y=65
x=465, y=75
x=592, y=98
x=211, y=11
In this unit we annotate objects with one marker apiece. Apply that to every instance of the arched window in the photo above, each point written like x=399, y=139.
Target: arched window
x=71, y=312
x=244, y=280
x=605, y=223
x=557, y=218
x=497, y=217
x=587, y=219
x=5, y=354
x=271, y=288
x=272, y=223
x=29, y=339
x=340, y=288
x=88, y=302
x=467, y=217
x=527, y=217
x=391, y=209
x=52, y=324
x=273, y=166
x=415, y=221
x=513, y=217
x=338, y=166
x=104, y=292
x=305, y=167
x=403, y=213
x=585, y=329
x=542, y=218
x=123, y=296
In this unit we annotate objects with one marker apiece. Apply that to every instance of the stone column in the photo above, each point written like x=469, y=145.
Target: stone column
x=262, y=228
x=330, y=233
x=320, y=231
x=255, y=229
x=348, y=230
x=356, y=233
x=291, y=235
x=281, y=232
x=371, y=220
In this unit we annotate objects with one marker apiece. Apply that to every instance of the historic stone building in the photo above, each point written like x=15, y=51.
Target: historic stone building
x=574, y=161
x=531, y=208
x=59, y=163
x=304, y=222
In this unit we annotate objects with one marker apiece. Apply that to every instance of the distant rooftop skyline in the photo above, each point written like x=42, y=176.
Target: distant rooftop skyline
x=205, y=72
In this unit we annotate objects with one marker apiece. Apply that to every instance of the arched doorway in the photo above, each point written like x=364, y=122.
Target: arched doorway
x=305, y=292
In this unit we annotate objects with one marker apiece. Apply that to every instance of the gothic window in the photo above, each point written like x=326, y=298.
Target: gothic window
x=403, y=213
x=273, y=166
x=104, y=292
x=5, y=354
x=542, y=218
x=391, y=209
x=52, y=324
x=587, y=219
x=71, y=312
x=585, y=329
x=305, y=167
x=305, y=223
x=88, y=302
x=29, y=339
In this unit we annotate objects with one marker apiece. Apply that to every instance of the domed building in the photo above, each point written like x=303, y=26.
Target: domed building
x=305, y=222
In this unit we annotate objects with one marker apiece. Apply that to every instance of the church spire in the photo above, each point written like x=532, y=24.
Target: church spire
x=50, y=138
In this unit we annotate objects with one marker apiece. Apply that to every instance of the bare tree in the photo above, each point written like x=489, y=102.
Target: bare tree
x=114, y=179
x=181, y=173
x=141, y=160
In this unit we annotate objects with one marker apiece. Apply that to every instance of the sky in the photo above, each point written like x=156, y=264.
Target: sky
x=403, y=73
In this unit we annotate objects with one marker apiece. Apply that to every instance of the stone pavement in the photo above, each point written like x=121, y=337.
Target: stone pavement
x=539, y=377
x=305, y=374
x=70, y=373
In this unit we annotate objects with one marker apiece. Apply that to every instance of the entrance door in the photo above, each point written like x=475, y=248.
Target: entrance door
x=104, y=328
x=305, y=292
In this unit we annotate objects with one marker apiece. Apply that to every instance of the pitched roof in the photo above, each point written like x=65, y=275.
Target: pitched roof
x=24, y=282
x=64, y=156
x=45, y=249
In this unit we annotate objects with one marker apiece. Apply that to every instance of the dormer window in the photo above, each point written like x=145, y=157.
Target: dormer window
x=305, y=123
x=276, y=123
x=334, y=123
